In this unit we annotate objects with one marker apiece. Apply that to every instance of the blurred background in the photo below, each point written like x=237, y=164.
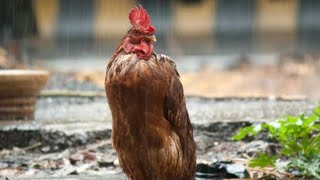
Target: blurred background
x=211, y=40
x=241, y=62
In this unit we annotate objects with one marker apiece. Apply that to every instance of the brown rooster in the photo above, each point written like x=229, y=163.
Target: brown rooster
x=151, y=129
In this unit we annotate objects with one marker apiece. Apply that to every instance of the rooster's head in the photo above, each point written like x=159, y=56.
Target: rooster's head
x=140, y=37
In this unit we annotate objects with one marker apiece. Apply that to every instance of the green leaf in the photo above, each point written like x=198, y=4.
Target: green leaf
x=317, y=111
x=299, y=138
x=263, y=160
x=310, y=120
x=243, y=132
x=306, y=166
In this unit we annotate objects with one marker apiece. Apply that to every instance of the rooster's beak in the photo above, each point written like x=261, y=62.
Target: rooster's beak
x=152, y=38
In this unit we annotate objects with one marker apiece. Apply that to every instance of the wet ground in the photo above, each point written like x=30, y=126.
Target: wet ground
x=83, y=115
x=70, y=135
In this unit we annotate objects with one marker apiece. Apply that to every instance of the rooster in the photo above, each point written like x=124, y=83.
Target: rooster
x=151, y=129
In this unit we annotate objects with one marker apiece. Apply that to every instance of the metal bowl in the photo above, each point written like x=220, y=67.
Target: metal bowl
x=18, y=92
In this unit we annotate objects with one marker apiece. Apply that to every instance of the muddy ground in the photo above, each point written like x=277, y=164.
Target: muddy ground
x=70, y=136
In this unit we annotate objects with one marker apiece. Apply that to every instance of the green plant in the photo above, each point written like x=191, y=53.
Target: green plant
x=299, y=138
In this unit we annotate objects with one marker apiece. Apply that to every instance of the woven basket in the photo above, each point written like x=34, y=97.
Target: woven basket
x=18, y=92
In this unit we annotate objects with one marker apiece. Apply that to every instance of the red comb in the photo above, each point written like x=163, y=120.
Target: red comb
x=140, y=18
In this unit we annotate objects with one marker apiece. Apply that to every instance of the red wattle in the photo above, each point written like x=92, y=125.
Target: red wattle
x=143, y=50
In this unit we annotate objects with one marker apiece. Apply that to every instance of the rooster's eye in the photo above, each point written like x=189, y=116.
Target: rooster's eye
x=135, y=32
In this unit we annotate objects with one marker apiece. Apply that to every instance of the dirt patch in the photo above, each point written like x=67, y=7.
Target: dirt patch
x=290, y=79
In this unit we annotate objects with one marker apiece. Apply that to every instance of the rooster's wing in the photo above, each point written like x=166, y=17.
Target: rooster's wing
x=176, y=113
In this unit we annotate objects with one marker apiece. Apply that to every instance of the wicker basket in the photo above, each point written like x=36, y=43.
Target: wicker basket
x=18, y=92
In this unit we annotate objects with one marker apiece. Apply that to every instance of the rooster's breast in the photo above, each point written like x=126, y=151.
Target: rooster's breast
x=127, y=71
x=136, y=90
